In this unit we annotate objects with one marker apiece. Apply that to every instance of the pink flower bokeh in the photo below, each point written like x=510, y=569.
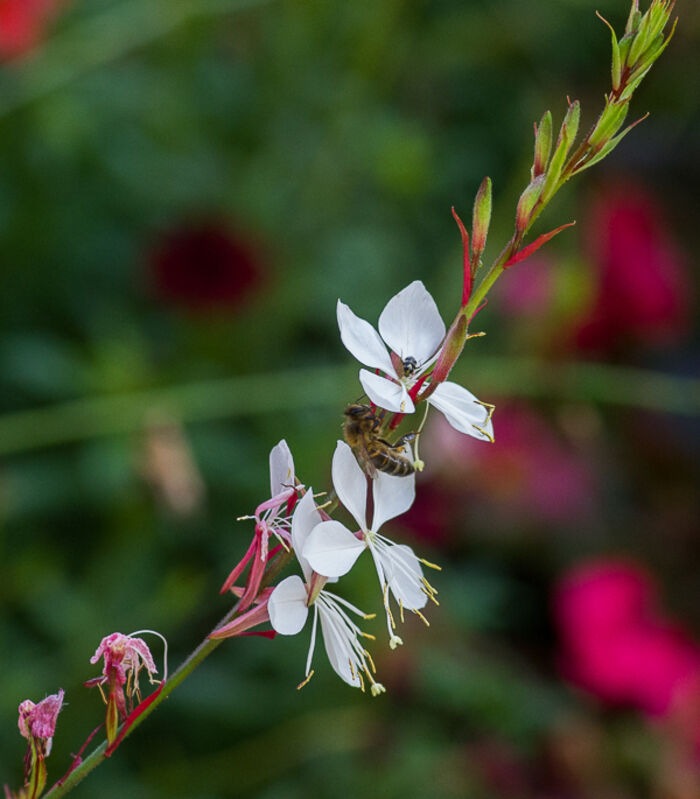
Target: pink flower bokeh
x=531, y=473
x=616, y=643
x=22, y=24
x=641, y=286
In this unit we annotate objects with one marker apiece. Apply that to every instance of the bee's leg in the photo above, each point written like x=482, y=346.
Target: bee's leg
x=401, y=443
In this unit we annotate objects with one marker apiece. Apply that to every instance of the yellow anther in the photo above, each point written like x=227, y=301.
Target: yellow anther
x=430, y=596
x=401, y=611
x=306, y=681
x=369, y=616
x=422, y=617
x=368, y=635
x=371, y=663
x=430, y=565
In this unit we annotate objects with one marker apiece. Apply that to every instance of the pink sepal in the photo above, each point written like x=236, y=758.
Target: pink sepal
x=238, y=569
x=241, y=624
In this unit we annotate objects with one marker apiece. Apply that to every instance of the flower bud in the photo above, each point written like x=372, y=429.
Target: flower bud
x=527, y=202
x=451, y=350
x=567, y=135
x=481, y=219
x=543, y=145
x=634, y=18
x=608, y=123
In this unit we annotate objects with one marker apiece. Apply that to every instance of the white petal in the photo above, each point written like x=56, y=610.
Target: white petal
x=338, y=647
x=404, y=573
x=385, y=393
x=463, y=410
x=392, y=497
x=350, y=483
x=362, y=340
x=305, y=518
x=332, y=549
x=281, y=468
x=411, y=323
x=287, y=606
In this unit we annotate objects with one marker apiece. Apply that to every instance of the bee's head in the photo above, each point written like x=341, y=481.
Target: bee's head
x=358, y=412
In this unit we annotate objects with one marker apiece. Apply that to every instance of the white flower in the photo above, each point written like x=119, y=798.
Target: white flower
x=289, y=603
x=332, y=549
x=411, y=326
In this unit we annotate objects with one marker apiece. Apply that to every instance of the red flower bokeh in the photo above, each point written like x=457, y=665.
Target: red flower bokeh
x=205, y=267
x=22, y=24
x=641, y=287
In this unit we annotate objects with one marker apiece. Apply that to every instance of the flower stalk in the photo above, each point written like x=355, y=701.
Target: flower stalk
x=409, y=358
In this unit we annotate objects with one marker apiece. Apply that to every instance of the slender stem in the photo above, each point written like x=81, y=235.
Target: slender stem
x=205, y=648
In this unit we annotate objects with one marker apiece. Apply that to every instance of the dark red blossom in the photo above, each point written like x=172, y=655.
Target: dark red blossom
x=205, y=267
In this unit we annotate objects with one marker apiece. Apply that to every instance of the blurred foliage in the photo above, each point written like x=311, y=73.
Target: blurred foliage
x=330, y=140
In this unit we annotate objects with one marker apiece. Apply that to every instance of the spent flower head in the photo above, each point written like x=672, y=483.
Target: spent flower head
x=38, y=721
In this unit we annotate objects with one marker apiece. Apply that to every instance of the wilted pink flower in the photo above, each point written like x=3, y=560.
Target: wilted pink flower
x=641, y=289
x=205, y=267
x=22, y=24
x=38, y=721
x=122, y=654
x=124, y=657
x=615, y=642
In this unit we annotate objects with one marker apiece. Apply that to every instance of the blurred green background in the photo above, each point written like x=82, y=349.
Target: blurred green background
x=186, y=188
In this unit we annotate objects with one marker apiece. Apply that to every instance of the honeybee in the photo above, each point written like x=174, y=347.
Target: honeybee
x=361, y=430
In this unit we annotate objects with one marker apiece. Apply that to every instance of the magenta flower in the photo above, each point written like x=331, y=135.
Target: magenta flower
x=617, y=645
x=641, y=290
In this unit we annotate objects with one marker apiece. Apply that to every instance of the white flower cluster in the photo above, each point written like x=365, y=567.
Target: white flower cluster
x=411, y=327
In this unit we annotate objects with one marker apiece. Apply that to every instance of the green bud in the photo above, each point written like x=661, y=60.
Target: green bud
x=567, y=135
x=651, y=26
x=570, y=124
x=624, y=46
x=634, y=17
x=543, y=145
x=608, y=123
x=481, y=219
x=641, y=39
x=527, y=202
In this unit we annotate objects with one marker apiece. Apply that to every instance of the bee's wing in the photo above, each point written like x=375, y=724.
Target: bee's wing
x=365, y=458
